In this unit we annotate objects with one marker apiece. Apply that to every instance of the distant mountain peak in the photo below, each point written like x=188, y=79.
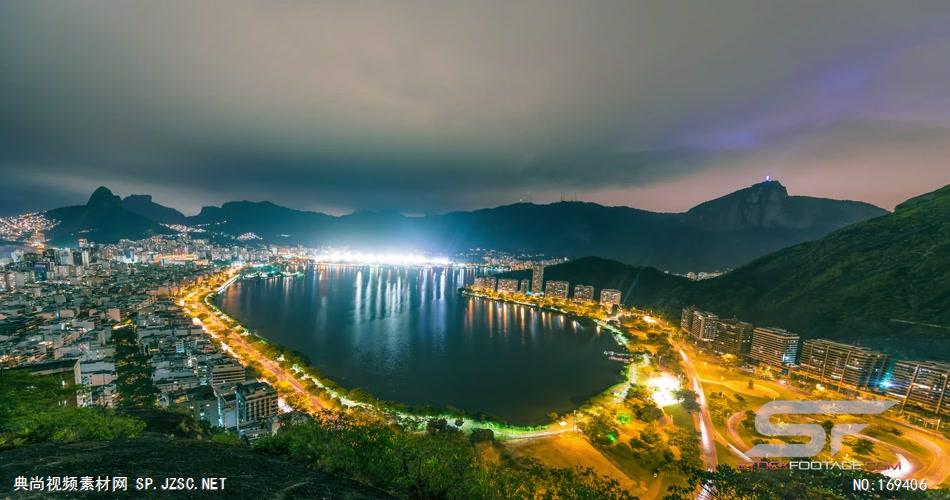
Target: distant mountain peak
x=769, y=185
x=767, y=205
x=143, y=205
x=101, y=196
x=759, y=193
x=102, y=219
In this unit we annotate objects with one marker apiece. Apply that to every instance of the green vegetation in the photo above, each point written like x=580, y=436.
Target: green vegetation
x=884, y=281
x=133, y=371
x=878, y=280
x=250, y=474
x=731, y=484
x=38, y=408
x=439, y=463
x=863, y=447
x=601, y=429
x=688, y=399
x=640, y=401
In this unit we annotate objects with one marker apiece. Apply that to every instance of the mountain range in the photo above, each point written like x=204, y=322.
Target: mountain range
x=721, y=233
x=102, y=219
x=883, y=283
x=143, y=205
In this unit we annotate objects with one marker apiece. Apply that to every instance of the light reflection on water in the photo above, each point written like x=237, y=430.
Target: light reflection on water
x=407, y=335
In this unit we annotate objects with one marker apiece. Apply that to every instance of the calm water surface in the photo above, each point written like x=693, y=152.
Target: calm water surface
x=407, y=335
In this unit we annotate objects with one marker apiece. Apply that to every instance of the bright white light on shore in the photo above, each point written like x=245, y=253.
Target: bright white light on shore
x=662, y=388
x=382, y=258
x=906, y=467
x=649, y=319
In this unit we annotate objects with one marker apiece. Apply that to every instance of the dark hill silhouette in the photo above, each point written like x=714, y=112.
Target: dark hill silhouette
x=722, y=233
x=883, y=282
x=101, y=219
x=143, y=205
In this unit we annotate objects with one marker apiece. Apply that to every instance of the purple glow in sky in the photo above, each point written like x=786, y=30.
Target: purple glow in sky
x=433, y=106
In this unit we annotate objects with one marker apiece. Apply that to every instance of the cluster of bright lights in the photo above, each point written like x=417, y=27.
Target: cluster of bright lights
x=20, y=227
x=402, y=259
x=649, y=319
x=663, y=387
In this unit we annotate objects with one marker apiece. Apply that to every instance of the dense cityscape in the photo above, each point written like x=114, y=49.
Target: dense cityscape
x=131, y=322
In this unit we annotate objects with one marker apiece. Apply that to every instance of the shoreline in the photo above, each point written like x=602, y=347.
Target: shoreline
x=503, y=431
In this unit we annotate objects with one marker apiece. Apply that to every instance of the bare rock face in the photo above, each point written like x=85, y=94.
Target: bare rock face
x=767, y=205
x=759, y=206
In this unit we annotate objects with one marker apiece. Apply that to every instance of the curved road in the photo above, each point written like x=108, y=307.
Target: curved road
x=195, y=305
x=704, y=420
x=935, y=470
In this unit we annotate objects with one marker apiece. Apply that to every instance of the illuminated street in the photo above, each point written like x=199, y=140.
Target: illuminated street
x=196, y=305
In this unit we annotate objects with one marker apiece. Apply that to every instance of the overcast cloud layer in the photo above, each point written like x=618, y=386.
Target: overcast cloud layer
x=434, y=106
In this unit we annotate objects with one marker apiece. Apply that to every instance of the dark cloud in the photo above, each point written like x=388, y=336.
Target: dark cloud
x=432, y=106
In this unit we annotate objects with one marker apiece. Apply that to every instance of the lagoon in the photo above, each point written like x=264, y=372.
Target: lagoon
x=406, y=335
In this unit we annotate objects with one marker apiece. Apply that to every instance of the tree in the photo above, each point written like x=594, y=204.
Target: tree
x=863, y=447
x=437, y=426
x=482, y=436
x=133, y=371
x=648, y=438
x=601, y=430
x=649, y=413
x=36, y=408
x=688, y=399
x=413, y=465
x=687, y=441
x=750, y=385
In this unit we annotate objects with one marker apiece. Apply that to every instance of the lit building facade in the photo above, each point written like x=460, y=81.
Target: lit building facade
x=506, y=285
x=556, y=289
x=733, y=337
x=537, y=279
x=686, y=319
x=703, y=327
x=583, y=293
x=225, y=372
x=610, y=297
x=841, y=365
x=255, y=401
x=774, y=346
x=922, y=384
x=485, y=283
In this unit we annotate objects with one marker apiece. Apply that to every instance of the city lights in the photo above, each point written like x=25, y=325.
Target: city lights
x=399, y=259
x=663, y=387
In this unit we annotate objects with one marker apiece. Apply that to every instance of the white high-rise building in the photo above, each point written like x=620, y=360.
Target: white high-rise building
x=610, y=297
x=537, y=279
x=774, y=346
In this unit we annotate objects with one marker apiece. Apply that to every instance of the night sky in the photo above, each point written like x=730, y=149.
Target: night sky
x=436, y=106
